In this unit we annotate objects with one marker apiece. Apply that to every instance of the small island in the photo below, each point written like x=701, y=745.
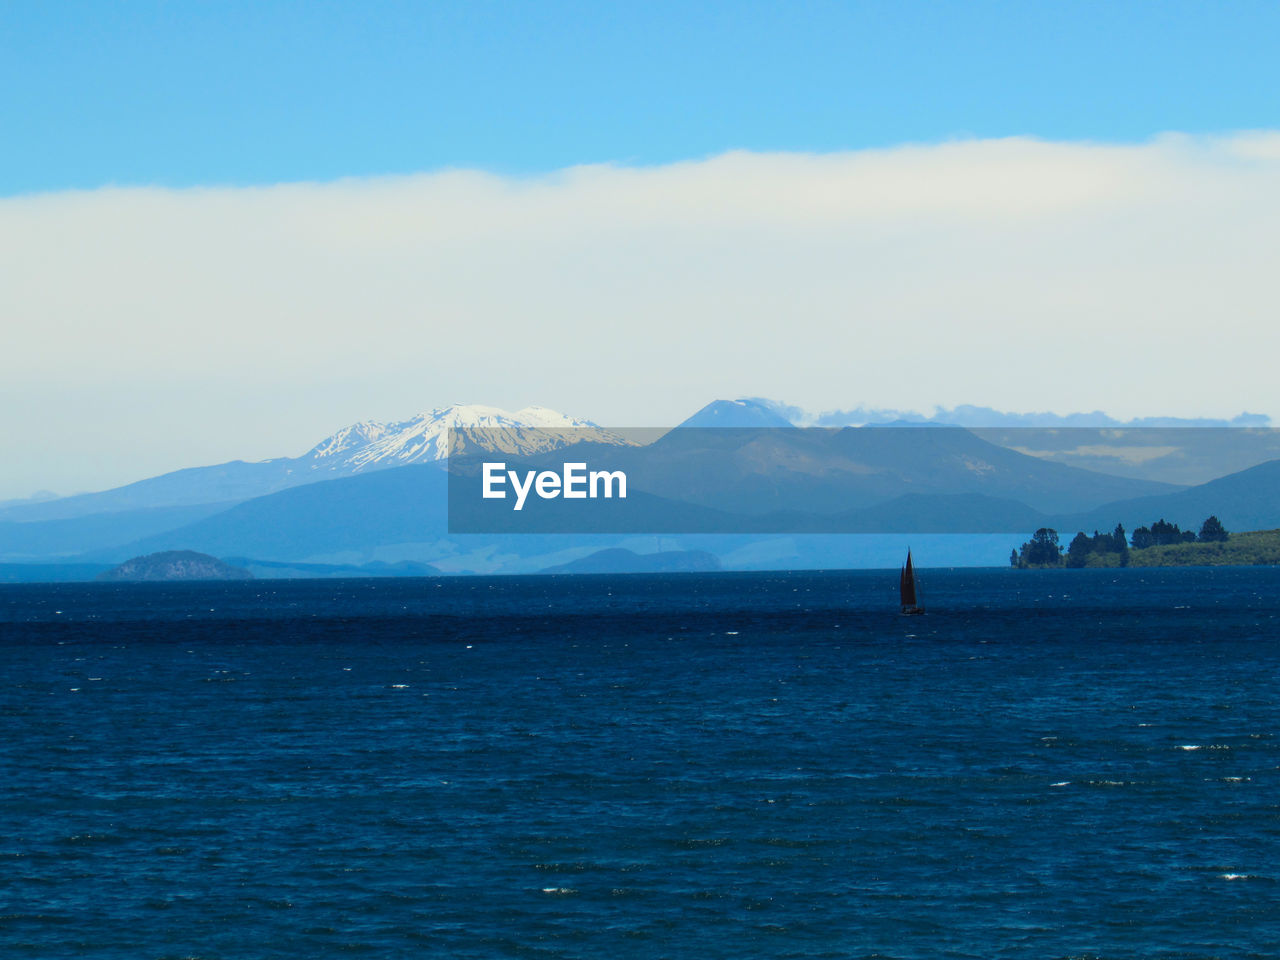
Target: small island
x=1163, y=544
x=175, y=565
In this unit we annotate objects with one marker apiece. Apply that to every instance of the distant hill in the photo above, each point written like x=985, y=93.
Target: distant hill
x=762, y=470
x=941, y=513
x=968, y=415
x=737, y=413
x=349, y=514
x=1186, y=455
x=69, y=537
x=221, y=483
x=375, y=445
x=1254, y=548
x=617, y=560
x=714, y=481
x=360, y=448
x=1247, y=500
x=175, y=565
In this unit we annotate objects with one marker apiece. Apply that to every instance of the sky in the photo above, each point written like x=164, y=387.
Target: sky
x=227, y=230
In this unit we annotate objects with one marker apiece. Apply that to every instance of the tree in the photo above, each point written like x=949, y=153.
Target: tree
x=1078, y=551
x=1013, y=558
x=1142, y=538
x=1121, y=545
x=1212, y=531
x=1165, y=533
x=1043, y=550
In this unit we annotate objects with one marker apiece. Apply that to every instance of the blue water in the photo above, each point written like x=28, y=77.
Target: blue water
x=1048, y=764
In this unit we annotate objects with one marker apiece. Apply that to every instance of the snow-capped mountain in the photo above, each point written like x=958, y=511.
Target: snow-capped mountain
x=371, y=445
x=435, y=435
x=360, y=448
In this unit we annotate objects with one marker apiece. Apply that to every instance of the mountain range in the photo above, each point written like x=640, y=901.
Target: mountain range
x=375, y=492
x=359, y=448
x=968, y=415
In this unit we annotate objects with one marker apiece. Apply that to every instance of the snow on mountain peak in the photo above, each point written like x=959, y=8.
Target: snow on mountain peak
x=348, y=438
x=427, y=437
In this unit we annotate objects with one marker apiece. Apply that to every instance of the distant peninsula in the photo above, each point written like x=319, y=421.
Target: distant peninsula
x=175, y=565
x=1162, y=544
x=1251, y=549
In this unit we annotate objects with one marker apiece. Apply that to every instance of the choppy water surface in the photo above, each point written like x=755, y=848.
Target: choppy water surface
x=1057, y=764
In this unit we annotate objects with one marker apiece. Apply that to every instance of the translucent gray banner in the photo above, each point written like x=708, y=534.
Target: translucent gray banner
x=873, y=479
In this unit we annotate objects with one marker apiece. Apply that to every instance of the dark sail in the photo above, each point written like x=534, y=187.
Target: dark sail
x=907, y=587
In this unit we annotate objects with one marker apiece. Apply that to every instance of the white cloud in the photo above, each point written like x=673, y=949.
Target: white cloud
x=146, y=329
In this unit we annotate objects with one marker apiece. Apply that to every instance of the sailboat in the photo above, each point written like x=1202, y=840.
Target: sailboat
x=907, y=586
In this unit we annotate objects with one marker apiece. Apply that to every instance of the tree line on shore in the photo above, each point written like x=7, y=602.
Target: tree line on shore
x=1044, y=549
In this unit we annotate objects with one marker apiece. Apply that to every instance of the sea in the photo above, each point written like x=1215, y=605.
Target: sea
x=1047, y=764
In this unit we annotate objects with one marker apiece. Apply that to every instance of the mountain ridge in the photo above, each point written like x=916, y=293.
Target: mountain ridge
x=372, y=444
x=358, y=448
x=752, y=474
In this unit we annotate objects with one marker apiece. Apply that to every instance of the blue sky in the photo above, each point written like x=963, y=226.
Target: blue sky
x=181, y=94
